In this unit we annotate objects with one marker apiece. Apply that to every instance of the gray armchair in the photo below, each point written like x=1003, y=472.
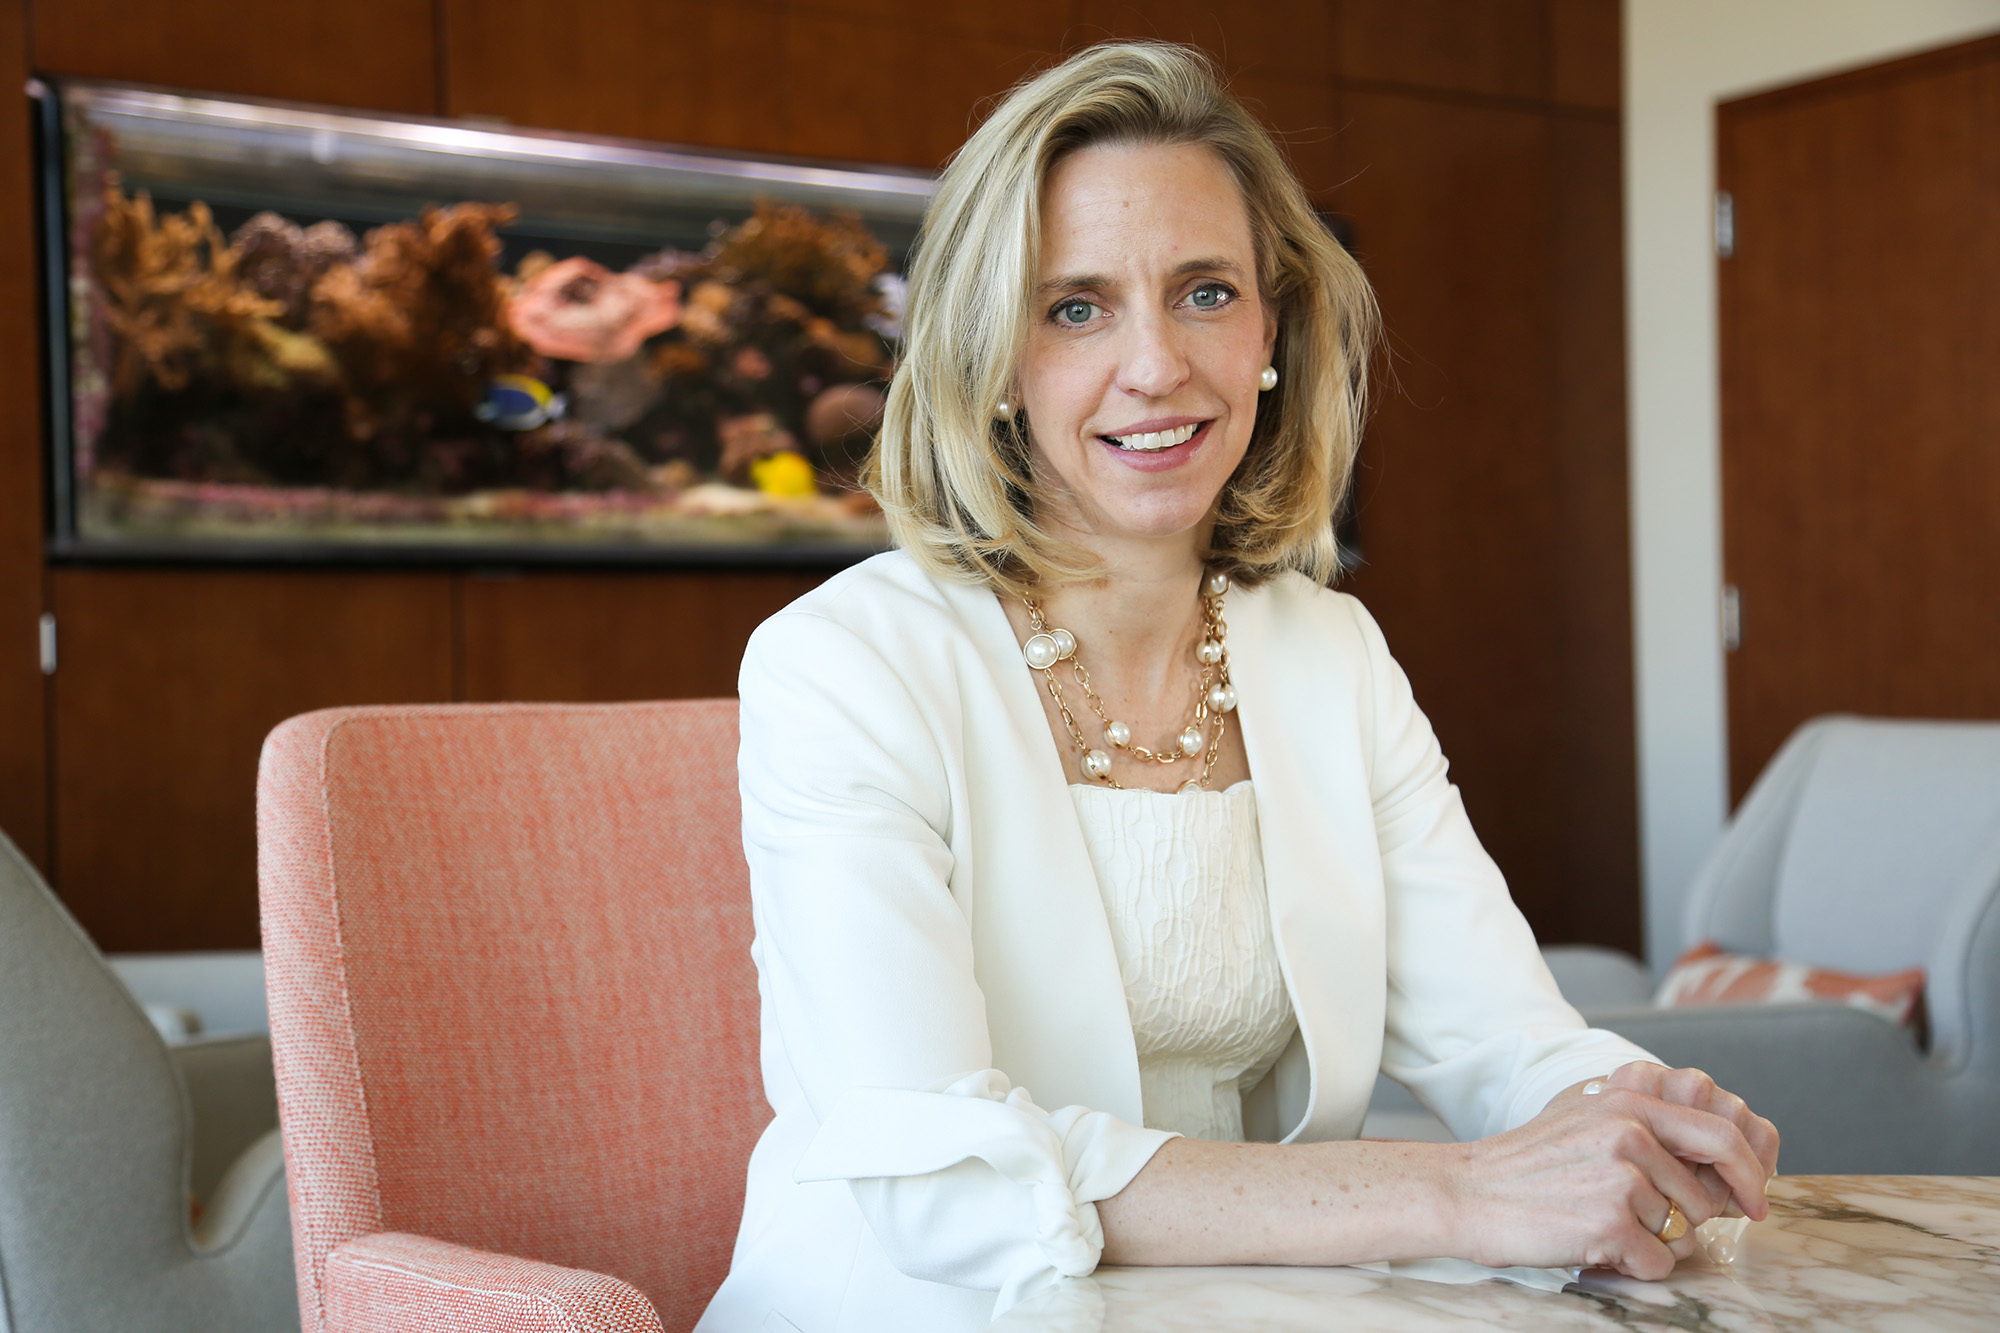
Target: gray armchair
x=1868, y=846
x=99, y=1157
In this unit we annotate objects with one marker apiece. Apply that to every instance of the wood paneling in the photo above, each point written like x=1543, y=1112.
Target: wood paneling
x=169, y=682
x=380, y=54
x=1495, y=468
x=605, y=637
x=1292, y=38
x=1586, y=64
x=1495, y=47
x=1860, y=404
x=867, y=80
x=872, y=90
x=1039, y=25
x=700, y=73
x=23, y=754
x=1598, y=841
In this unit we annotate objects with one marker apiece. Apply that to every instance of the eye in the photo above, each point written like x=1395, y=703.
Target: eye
x=1075, y=312
x=1211, y=296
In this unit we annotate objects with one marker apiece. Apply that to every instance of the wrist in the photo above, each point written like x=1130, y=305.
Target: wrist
x=1450, y=1224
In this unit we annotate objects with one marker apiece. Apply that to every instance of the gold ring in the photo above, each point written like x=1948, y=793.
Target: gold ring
x=1675, y=1226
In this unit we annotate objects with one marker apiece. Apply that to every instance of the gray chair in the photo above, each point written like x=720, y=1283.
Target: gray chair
x=1867, y=846
x=98, y=1160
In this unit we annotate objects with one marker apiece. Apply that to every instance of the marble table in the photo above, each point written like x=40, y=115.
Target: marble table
x=1883, y=1254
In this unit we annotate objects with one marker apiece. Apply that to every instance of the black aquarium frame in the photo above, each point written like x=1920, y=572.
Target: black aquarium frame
x=788, y=178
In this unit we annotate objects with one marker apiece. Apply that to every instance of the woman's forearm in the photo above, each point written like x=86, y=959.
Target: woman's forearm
x=1200, y=1203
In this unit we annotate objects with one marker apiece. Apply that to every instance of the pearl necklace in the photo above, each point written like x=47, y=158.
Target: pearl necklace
x=1214, y=695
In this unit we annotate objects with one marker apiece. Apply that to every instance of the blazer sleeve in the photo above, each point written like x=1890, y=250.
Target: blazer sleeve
x=869, y=980
x=1474, y=1023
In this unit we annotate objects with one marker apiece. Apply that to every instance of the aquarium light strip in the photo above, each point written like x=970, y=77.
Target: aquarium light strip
x=514, y=145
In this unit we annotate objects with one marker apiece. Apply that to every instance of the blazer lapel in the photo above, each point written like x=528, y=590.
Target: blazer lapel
x=1300, y=699
x=1055, y=1001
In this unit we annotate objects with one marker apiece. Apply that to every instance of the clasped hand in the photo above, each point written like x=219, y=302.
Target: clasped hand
x=1590, y=1179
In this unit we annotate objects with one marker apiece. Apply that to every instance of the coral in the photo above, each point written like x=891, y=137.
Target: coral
x=417, y=322
x=610, y=396
x=280, y=261
x=171, y=294
x=828, y=264
x=577, y=310
x=745, y=439
x=842, y=413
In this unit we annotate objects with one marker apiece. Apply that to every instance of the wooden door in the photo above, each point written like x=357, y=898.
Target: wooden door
x=1860, y=343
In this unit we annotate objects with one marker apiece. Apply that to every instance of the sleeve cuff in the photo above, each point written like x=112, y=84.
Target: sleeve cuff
x=1068, y=1159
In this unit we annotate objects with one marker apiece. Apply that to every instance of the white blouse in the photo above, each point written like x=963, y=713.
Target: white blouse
x=1183, y=884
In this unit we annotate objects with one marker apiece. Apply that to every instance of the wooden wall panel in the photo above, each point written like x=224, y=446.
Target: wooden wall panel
x=380, y=54
x=1489, y=461
x=168, y=684
x=1598, y=841
x=883, y=91
x=588, y=638
x=684, y=71
x=1289, y=38
x=24, y=811
x=1860, y=404
x=1496, y=47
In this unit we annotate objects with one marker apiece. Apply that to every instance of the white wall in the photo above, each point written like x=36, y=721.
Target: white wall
x=1681, y=58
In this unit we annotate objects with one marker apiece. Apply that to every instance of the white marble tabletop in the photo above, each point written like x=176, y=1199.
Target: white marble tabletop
x=1882, y=1254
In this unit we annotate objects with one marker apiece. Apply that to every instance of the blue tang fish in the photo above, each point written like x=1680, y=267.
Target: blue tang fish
x=519, y=402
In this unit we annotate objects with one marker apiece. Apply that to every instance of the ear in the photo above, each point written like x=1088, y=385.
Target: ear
x=1270, y=332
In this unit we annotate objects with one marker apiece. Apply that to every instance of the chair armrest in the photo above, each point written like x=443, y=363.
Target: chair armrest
x=233, y=1099
x=391, y=1282
x=1848, y=1091
x=1591, y=977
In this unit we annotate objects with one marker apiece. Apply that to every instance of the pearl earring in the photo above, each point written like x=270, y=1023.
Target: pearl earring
x=1267, y=378
x=1003, y=410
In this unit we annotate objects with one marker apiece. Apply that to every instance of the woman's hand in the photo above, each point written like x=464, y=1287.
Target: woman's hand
x=1691, y=1087
x=1589, y=1180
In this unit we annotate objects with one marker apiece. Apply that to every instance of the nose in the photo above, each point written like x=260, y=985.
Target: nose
x=1152, y=364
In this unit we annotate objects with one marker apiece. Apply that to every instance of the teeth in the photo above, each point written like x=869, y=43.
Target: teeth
x=1155, y=439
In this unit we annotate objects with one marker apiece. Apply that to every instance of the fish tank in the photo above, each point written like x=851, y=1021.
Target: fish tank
x=286, y=332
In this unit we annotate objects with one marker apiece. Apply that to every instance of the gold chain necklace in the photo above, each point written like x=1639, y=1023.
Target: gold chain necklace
x=1214, y=695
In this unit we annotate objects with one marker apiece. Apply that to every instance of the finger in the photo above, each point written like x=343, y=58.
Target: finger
x=1641, y=1252
x=1698, y=1137
x=1715, y=1192
x=1678, y=1183
x=1639, y=1076
x=1693, y=1087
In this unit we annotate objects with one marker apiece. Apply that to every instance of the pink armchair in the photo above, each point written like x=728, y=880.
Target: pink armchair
x=513, y=1011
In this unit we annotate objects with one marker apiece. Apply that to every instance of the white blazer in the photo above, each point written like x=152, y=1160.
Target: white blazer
x=935, y=966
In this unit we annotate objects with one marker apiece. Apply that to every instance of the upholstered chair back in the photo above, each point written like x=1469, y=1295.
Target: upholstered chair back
x=512, y=1001
x=97, y=1156
x=1872, y=845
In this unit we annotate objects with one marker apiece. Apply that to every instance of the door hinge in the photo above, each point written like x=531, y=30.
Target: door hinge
x=1732, y=618
x=1725, y=224
x=48, y=644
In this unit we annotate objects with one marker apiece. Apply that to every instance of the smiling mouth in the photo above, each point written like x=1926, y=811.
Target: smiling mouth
x=1153, y=441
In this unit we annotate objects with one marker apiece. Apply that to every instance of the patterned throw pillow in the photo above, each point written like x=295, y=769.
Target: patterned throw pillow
x=1707, y=975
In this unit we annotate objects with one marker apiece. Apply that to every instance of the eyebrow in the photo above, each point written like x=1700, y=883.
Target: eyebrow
x=1073, y=281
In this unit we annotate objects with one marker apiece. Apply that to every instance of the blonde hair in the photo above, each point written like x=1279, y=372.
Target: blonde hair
x=959, y=488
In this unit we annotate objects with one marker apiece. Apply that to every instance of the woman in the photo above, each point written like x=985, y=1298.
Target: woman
x=1093, y=798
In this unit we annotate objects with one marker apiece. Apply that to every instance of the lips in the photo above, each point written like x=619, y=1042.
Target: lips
x=1149, y=441
x=1163, y=446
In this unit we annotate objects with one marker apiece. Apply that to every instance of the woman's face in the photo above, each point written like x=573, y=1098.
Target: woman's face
x=1146, y=338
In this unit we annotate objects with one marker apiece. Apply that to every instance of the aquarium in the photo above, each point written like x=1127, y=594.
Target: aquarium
x=287, y=332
